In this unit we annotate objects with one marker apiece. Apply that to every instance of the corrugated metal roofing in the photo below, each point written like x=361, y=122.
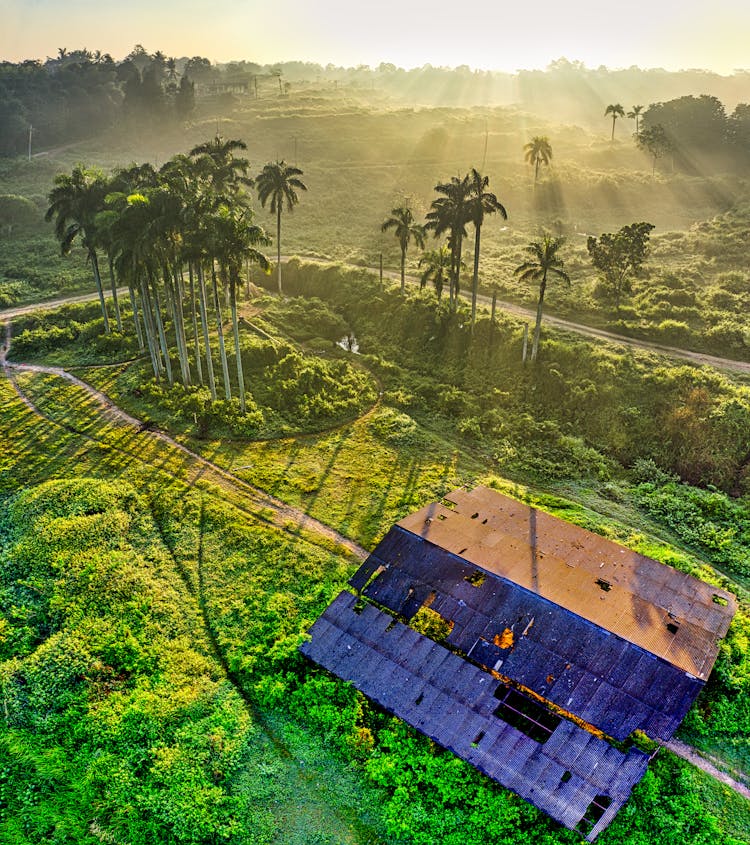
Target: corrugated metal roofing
x=454, y=703
x=619, y=641
x=633, y=596
x=605, y=680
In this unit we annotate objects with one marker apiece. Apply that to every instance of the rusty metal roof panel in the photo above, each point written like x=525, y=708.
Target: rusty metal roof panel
x=567, y=564
x=548, y=642
x=456, y=709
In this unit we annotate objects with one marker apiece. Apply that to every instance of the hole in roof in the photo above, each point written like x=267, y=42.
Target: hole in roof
x=431, y=624
x=476, y=579
x=475, y=515
x=525, y=715
x=592, y=815
x=603, y=585
x=478, y=738
x=566, y=777
x=419, y=699
x=504, y=640
x=673, y=627
x=484, y=521
x=359, y=606
x=391, y=625
x=717, y=599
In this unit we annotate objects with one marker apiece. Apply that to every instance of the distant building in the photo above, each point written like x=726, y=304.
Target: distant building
x=558, y=645
x=238, y=84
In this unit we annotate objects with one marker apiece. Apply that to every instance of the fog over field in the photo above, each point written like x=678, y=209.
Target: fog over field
x=275, y=276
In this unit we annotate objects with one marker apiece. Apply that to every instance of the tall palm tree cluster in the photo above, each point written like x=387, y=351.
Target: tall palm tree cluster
x=464, y=201
x=461, y=202
x=177, y=238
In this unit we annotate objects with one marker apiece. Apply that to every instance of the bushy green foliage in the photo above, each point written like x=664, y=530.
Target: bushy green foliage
x=583, y=408
x=176, y=406
x=17, y=214
x=707, y=520
x=114, y=719
x=72, y=332
x=304, y=319
x=394, y=427
x=31, y=269
x=287, y=391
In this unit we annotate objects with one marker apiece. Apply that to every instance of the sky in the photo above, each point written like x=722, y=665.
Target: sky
x=487, y=34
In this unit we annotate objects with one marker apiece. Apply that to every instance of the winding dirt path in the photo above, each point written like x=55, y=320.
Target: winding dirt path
x=692, y=756
x=282, y=514
x=700, y=358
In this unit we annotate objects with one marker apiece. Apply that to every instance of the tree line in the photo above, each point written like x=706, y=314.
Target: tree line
x=81, y=93
x=175, y=237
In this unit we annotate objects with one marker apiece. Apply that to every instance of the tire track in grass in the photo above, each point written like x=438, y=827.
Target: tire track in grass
x=318, y=794
x=281, y=512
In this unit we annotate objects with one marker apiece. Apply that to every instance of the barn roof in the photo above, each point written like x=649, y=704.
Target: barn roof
x=573, y=776
x=668, y=613
x=603, y=679
x=558, y=640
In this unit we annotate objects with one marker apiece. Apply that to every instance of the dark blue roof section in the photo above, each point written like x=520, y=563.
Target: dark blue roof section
x=601, y=678
x=454, y=703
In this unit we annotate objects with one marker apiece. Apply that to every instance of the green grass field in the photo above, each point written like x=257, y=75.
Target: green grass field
x=152, y=601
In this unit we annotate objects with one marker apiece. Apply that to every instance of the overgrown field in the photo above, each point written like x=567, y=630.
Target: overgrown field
x=691, y=290
x=151, y=603
x=284, y=752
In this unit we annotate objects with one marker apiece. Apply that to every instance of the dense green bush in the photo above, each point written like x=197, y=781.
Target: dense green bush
x=114, y=719
x=707, y=520
x=305, y=319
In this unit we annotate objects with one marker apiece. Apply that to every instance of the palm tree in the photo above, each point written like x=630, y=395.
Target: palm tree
x=279, y=182
x=104, y=239
x=437, y=268
x=132, y=244
x=218, y=168
x=616, y=111
x=221, y=177
x=481, y=202
x=74, y=202
x=238, y=240
x=636, y=115
x=538, y=151
x=544, y=260
x=124, y=182
x=404, y=228
x=449, y=214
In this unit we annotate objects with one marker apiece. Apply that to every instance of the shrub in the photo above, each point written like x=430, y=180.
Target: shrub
x=394, y=427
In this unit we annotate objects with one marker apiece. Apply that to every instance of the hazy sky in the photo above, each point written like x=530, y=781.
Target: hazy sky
x=674, y=34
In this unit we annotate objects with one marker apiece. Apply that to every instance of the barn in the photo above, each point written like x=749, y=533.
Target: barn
x=528, y=646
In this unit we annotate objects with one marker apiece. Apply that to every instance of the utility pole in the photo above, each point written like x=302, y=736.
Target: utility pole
x=31, y=129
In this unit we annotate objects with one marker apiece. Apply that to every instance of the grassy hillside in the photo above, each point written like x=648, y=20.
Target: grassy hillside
x=151, y=602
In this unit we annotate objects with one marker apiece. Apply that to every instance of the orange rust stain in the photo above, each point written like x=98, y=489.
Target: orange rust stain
x=504, y=640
